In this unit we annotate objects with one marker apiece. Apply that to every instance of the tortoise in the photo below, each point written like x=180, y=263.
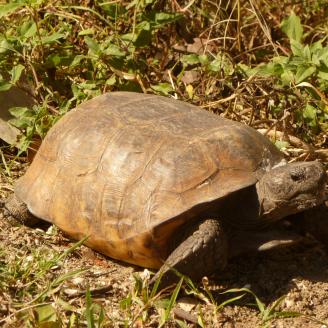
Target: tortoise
x=163, y=184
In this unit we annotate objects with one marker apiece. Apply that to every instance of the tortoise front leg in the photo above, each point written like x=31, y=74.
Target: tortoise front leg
x=200, y=251
x=20, y=212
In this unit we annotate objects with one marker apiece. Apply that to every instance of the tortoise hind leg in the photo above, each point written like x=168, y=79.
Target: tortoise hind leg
x=20, y=212
x=201, y=251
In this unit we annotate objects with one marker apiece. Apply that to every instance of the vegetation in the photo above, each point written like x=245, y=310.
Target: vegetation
x=219, y=57
x=245, y=60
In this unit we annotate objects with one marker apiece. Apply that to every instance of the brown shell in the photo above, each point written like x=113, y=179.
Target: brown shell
x=128, y=169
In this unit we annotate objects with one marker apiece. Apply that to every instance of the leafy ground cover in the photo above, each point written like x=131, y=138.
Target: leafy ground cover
x=258, y=62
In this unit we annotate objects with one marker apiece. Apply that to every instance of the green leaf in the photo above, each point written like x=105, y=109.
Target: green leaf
x=77, y=59
x=200, y=321
x=72, y=321
x=114, y=50
x=89, y=310
x=101, y=317
x=221, y=63
x=215, y=66
x=164, y=88
x=9, y=8
x=303, y=72
x=126, y=302
x=316, y=46
x=52, y=38
x=281, y=60
x=88, y=31
x=287, y=77
x=190, y=91
x=292, y=27
x=181, y=324
x=172, y=300
x=5, y=85
x=287, y=314
x=165, y=18
x=143, y=37
x=92, y=45
x=203, y=59
x=230, y=300
x=191, y=59
x=28, y=29
x=64, y=305
x=113, y=10
x=323, y=74
x=315, y=60
x=22, y=122
x=270, y=69
x=246, y=70
x=46, y=313
x=281, y=144
x=323, y=55
x=24, y=117
x=16, y=73
x=111, y=80
x=68, y=275
x=20, y=111
x=5, y=46
x=307, y=53
x=310, y=114
x=55, y=60
x=130, y=37
x=297, y=48
x=88, y=85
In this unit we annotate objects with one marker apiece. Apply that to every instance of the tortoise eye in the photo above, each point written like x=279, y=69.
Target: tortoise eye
x=297, y=175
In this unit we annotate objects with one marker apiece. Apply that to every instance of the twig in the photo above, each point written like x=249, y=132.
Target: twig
x=220, y=101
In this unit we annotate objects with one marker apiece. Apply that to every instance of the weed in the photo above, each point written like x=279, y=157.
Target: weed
x=62, y=54
x=271, y=312
x=305, y=72
x=90, y=310
x=24, y=276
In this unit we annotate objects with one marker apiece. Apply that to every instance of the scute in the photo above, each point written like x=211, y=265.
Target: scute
x=122, y=164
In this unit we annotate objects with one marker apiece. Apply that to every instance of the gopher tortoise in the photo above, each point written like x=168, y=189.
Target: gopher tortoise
x=160, y=183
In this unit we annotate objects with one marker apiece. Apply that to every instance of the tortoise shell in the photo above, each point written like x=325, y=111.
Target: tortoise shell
x=127, y=170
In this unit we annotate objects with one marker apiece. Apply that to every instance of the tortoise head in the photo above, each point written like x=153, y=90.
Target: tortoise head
x=291, y=188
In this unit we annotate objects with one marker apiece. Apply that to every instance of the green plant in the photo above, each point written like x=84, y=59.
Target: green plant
x=34, y=302
x=305, y=71
x=62, y=54
x=91, y=309
x=266, y=313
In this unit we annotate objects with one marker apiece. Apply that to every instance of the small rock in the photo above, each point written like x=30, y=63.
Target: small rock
x=289, y=303
x=77, y=281
x=187, y=303
x=71, y=292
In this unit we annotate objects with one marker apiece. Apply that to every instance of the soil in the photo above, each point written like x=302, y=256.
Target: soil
x=298, y=273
